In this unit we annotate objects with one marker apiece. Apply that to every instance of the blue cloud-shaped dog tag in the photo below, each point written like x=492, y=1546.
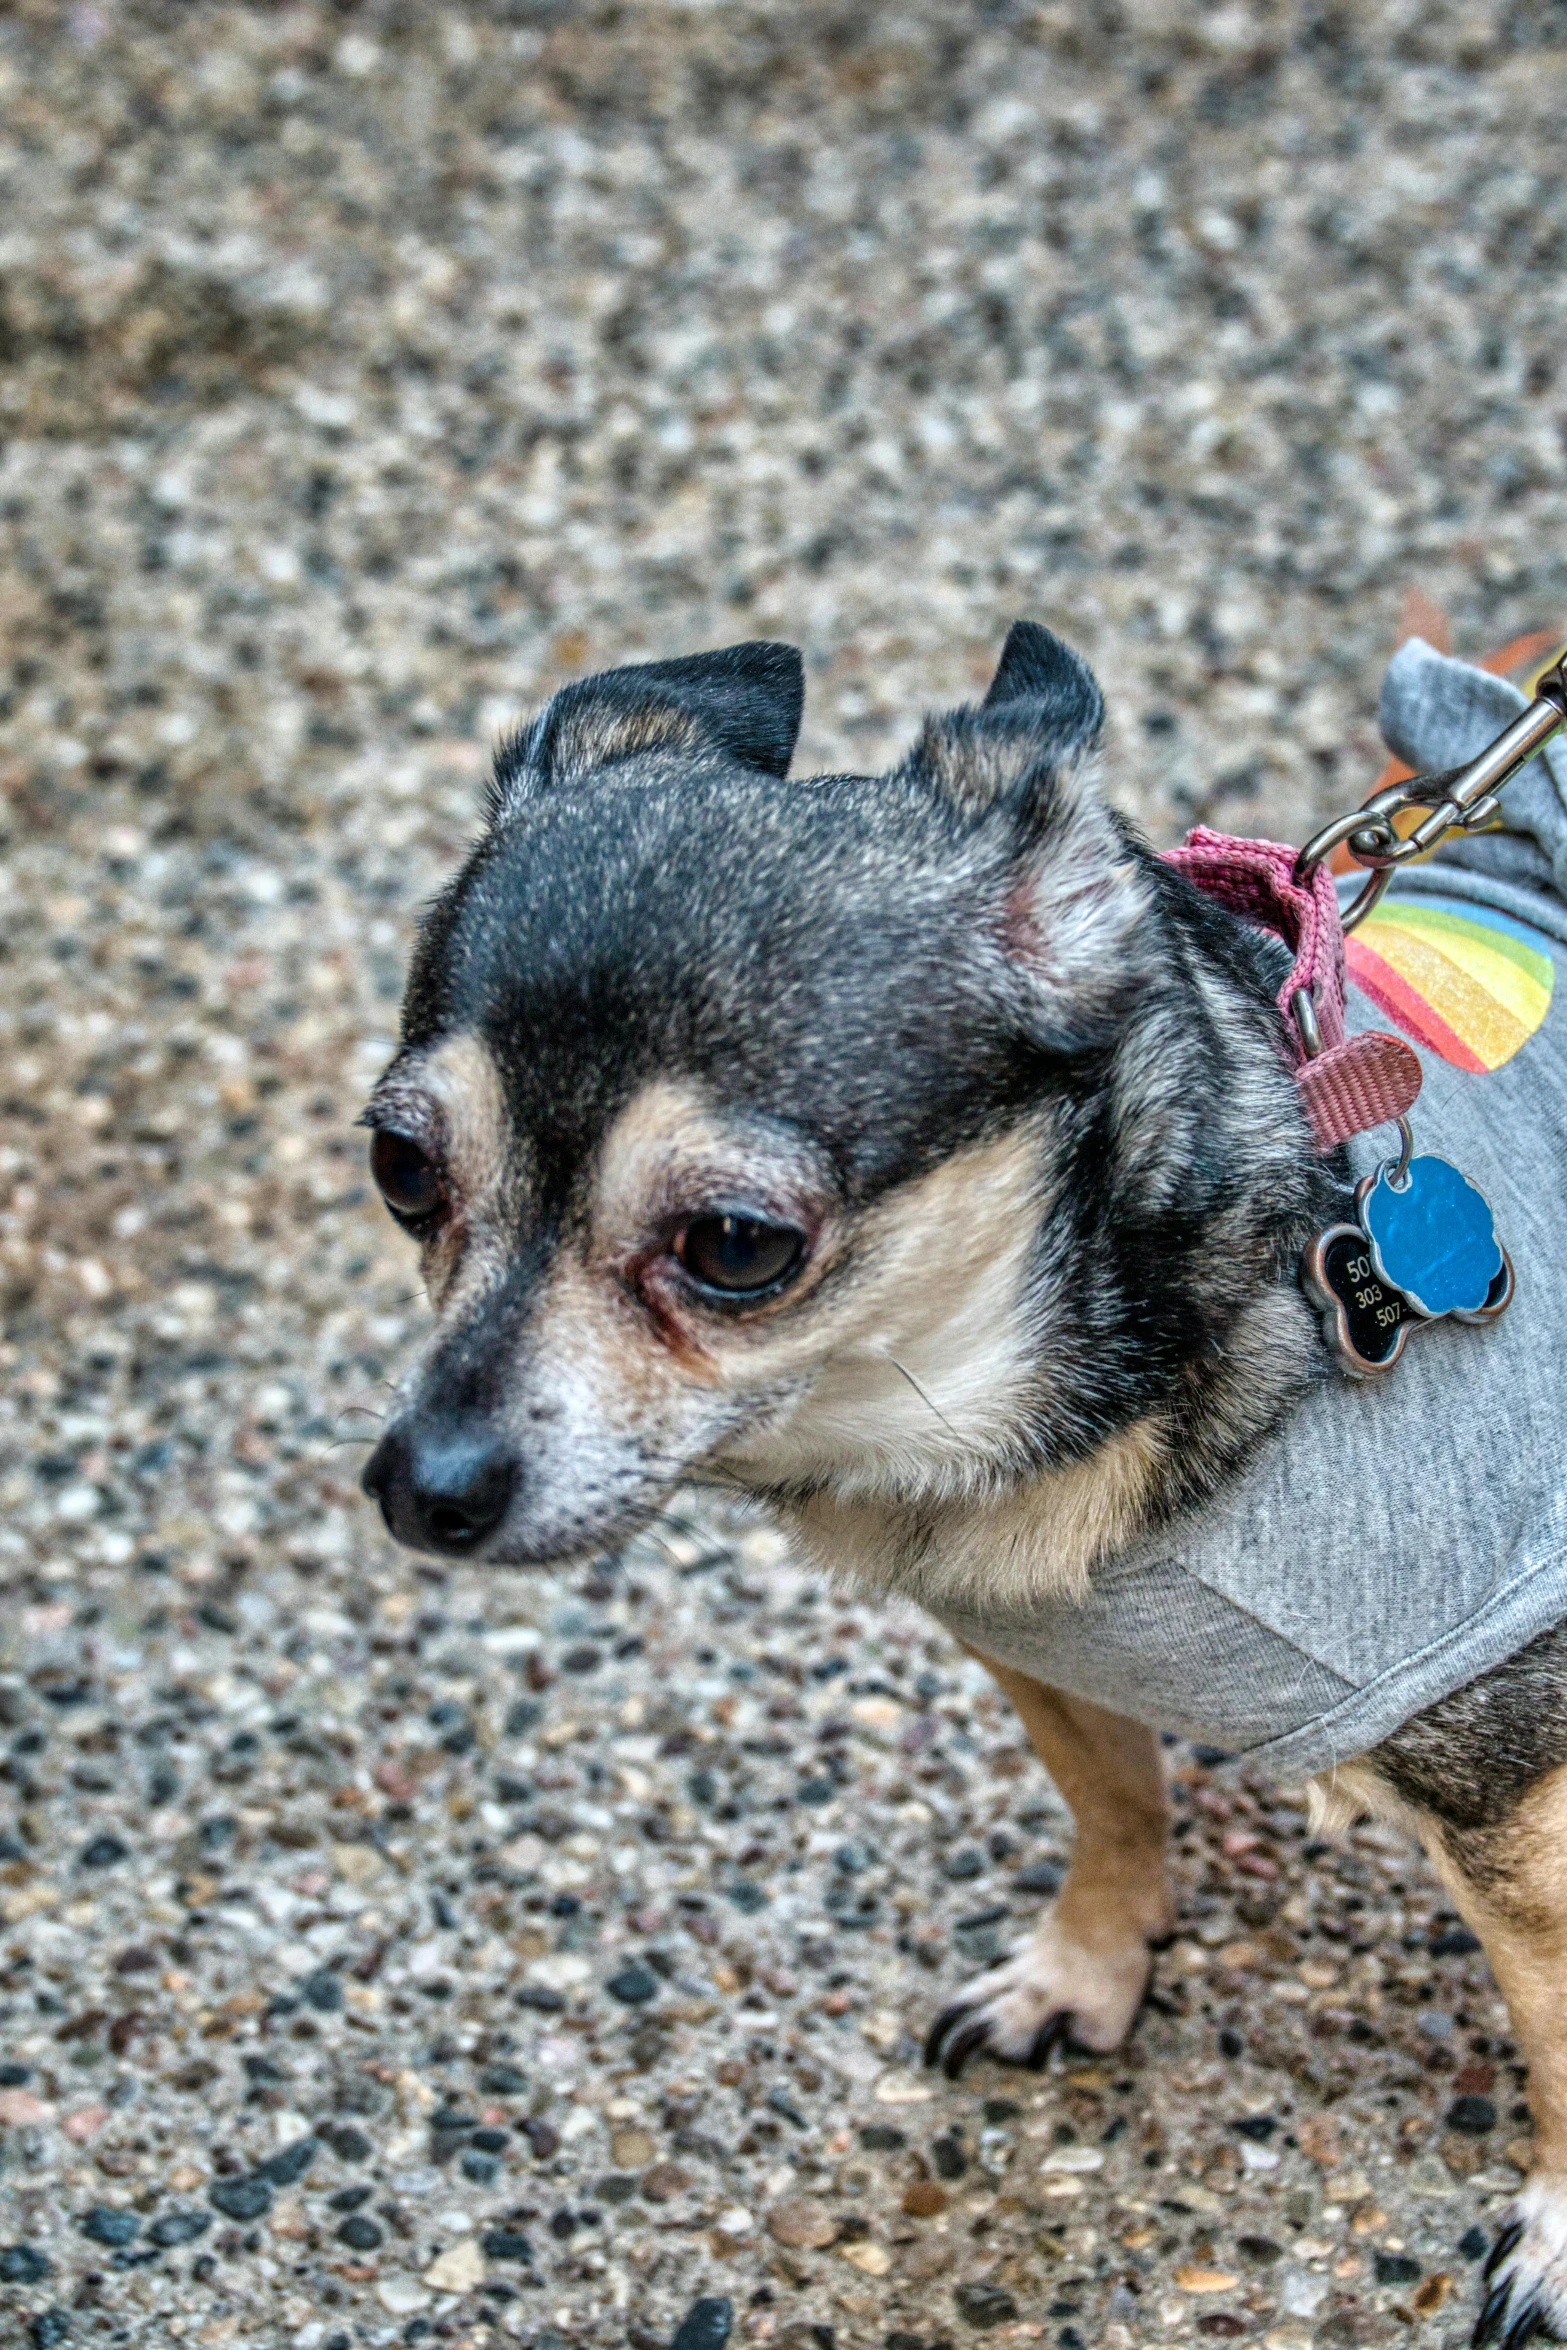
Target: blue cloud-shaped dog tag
x=1433, y=1238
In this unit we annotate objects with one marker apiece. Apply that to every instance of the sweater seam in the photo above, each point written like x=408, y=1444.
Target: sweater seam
x=1456, y=1635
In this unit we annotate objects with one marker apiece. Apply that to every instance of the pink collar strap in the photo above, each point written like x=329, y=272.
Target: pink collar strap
x=1347, y=1085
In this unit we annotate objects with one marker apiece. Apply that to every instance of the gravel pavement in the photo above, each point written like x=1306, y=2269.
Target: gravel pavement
x=390, y=1954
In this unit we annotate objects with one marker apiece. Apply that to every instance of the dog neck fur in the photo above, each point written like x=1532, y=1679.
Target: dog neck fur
x=998, y=1557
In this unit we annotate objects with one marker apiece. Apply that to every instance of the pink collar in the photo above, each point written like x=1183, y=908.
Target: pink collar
x=1347, y=1085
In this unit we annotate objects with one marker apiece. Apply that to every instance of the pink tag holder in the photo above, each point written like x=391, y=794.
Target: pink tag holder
x=1353, y=1083
x=1359, y=1084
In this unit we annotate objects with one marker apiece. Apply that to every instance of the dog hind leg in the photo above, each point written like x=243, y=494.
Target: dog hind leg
x=1509, y=1881
x=1082, y=1973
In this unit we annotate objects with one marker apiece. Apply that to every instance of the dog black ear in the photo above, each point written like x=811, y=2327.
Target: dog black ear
x=743, y=702
x=1076, y=926
x=1040, y=719
x=1038, y=670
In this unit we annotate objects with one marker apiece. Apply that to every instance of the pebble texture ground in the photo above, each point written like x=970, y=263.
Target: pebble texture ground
x=392, y=1955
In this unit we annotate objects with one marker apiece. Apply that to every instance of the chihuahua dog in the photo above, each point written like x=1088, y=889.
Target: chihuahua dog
x=916, y=1152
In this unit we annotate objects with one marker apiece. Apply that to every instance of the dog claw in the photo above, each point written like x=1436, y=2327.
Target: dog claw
x=960, y=2031
x=944, y=2024
x=964, y=2045
x=1493, y=2329
x=1523, y=2303
x=1052, y=1990
x=1530, y=2325
x=1488, y=2323
x=1052, y=2032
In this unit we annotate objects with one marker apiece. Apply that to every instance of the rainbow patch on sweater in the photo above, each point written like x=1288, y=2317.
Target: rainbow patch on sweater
x=1461, y=979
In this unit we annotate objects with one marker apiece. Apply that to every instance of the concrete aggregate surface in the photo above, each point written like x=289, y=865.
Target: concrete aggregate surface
x=392, y=1954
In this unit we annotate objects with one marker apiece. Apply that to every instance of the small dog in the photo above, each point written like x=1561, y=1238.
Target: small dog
x=918, y=1153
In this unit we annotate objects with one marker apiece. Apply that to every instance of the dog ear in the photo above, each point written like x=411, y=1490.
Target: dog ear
x=1041, y=717
x=743, y=702
x=1080, y=925
x=1038, y=669
x=1075, y=928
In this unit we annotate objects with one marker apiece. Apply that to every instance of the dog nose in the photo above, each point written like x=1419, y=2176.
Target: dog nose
x=441, y=1488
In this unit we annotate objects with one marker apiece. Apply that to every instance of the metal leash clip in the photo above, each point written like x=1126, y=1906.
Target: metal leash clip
x=1422, y=1244
x=1461, y=799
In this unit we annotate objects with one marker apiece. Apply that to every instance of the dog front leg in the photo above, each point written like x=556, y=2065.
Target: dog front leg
x=1082, y=1973
x=1510, y=1883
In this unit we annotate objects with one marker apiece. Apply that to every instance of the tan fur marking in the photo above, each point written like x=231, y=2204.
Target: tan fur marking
x=664, y=1144
x=1050, y=1536
x=1108, y=1769
x=1510, y=1884
x=461, y=1079
x=1088, y=1956
x=896, y=1384
x=1519, y=1868
x=938, y=1270
x=997, y=1557
x=1521, y=1918
x=1335, y=1799
x=594, y=736
x=1520, y=1914
x=974, y=770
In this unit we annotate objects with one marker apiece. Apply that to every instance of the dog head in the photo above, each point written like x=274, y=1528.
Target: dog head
x=734, y=1115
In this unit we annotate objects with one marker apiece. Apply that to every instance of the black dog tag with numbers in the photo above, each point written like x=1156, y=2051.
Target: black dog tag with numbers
x=1367, y=1320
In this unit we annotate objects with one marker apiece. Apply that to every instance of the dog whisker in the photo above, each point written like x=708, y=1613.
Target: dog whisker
x=706, y=1480
x=905, y=1373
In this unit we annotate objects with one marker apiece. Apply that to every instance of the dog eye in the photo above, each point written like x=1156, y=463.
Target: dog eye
x=407, y=1177
x=740, y=1255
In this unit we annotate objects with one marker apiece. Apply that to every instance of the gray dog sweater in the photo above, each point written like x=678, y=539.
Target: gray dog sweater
x=1395, y=1538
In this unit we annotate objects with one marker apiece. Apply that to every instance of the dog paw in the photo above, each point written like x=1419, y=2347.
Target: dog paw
x=1052, y=1990
x=1526, y=2274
